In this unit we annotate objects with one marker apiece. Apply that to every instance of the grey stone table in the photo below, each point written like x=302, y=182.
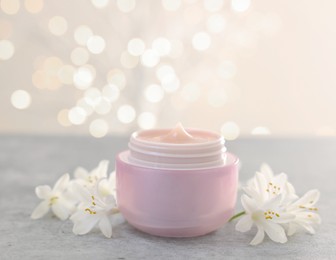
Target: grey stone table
x=28, y=161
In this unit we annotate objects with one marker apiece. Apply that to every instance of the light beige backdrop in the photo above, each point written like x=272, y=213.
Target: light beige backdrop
x=261, y=67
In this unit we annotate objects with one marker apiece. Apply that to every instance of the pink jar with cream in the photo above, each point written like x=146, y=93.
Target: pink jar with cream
x=176, y=182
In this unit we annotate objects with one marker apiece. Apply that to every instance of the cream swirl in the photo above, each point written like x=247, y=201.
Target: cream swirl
x=177, y=148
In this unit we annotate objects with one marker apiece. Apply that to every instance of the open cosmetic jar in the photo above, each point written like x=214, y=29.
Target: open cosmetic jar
x=176, y=182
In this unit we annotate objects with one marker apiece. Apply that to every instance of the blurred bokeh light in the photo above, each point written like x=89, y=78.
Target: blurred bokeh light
x=238, y=67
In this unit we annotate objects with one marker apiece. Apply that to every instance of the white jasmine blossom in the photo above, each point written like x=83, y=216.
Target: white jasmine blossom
x=94, y=209
x=108, y=186
x=92, y=192
x=55, y=199
x=265, y=185
x=267, y=217
x=270, y=203
x=306, y=217
x=89, y=179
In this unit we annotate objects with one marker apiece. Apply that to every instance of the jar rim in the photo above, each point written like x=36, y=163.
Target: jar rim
x=218, y=138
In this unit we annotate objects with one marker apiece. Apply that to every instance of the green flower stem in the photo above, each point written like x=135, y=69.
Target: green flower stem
x=237, y=215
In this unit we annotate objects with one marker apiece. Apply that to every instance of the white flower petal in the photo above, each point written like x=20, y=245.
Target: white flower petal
x=108, y=186
x=313, y=218
x=78, y=215
x=284, y=218
x=112, y=179
x=266, y=170
x=290, y=188
x=70, y=196
x=244, y=224
x=262, y=185
x=252, y=193
x=104, y=188
x=40, y=210
x=272, y=203
x=62, y=183
x=298, y=225
x=84, y=224
x=292, y=229
x=100, y=199
x=250, y=183
x=84, y=194
x=101, y=170
x=43, y=191
x=99, y=188
x=259, y=237
x=288, y=197
x=307, y=220
x=306, y=201
x=308, y=228
x=60, y=211
x=81, y=173
x=105, y=227
x=280, y=180
x=310, y=198
x=306, y=216
x=275, y=232
x=110, y=200
x=248, y=204
x=317, y=219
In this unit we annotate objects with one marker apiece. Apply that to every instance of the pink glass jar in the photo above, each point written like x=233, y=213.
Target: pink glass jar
x=176, y=189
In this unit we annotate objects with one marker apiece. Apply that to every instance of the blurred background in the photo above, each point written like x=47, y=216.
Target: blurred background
x=100, y=67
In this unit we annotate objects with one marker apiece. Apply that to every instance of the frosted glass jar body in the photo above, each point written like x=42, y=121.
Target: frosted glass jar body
x=176, y=202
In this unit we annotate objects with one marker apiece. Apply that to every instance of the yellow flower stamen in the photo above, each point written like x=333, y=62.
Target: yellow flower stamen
x=53, y=200
x=92, y=212
x=269, y=214
x=273, y=189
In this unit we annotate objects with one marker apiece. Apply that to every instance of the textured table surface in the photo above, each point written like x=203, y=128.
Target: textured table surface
x=28, y=161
